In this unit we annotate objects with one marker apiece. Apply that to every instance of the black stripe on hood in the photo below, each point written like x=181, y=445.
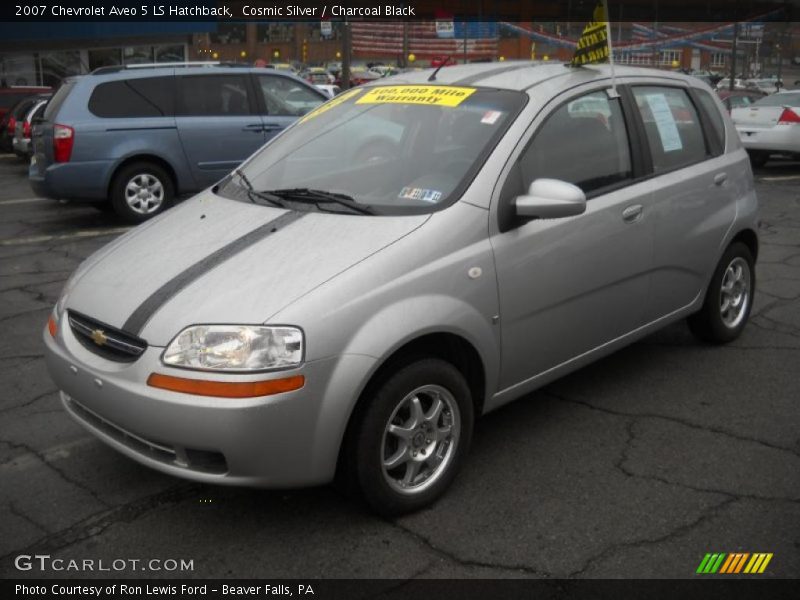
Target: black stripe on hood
x=157, y=299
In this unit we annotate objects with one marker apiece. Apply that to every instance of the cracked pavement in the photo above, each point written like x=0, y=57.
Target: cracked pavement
x=635, y=466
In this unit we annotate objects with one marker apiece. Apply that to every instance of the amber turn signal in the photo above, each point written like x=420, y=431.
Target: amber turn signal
x=226, y=389
x=51, y=326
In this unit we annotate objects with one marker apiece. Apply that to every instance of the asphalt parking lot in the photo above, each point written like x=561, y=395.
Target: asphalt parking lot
x=636, y=466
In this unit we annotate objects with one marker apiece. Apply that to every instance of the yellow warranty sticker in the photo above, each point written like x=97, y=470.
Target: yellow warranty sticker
x=343, y=97
x=434, y=95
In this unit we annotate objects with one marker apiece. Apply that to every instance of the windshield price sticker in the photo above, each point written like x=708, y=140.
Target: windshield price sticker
x=433, y=95
x=343, y=97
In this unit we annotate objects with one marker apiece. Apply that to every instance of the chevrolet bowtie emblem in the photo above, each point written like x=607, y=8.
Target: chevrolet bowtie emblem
x=99, y=338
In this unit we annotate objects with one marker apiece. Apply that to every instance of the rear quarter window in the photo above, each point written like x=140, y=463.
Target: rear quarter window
x=146, y=97
x=57, y=100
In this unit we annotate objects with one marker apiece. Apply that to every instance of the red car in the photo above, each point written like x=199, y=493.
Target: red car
x=739, y=98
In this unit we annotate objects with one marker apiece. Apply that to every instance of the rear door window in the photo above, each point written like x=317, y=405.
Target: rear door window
x=214, y=96
x=672, y=126
x=147, y=97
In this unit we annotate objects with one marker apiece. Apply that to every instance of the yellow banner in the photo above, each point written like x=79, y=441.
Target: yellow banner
x=433, y=95
x=343, y=97
x=593, y=46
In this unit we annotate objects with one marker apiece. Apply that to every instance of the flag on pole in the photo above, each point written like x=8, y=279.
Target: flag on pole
x=594, y=45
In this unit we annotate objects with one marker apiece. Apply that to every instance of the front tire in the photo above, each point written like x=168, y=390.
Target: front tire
x=140, y=191
x=729, y=298
x=412, y=437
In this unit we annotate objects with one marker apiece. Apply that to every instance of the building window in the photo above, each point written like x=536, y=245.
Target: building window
x=170, y=53
x=667, y=57
x=55, y=66
x=137, y=55
x=275, y=32
x=229, y=33
x=104, y=57
x=718, y=59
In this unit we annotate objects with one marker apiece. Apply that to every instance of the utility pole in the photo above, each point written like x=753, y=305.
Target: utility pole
x=404, y=58
x=347, y=46
x=731, y=84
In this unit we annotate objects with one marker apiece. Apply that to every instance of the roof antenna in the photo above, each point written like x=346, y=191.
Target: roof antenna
x=443, y=63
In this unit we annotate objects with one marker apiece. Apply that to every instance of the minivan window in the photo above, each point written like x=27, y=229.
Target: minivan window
x=672, y=126
x=404, y=149
x=147, y=97
x=287, y=97
x=213, y=96
x=584, y=142
x=58, y=99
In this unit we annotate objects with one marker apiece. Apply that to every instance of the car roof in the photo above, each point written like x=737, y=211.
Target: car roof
x=521, y=75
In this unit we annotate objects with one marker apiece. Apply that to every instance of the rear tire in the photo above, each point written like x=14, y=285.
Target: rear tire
x=410, y=440
x=758, y=158
x=729, y=298
x=140, y=191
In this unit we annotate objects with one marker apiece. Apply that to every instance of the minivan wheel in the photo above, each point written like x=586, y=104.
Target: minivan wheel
x=729, y=298
x=141, y=191
x=412, y=437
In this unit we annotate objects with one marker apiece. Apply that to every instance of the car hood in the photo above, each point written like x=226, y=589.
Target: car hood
x=216, y=260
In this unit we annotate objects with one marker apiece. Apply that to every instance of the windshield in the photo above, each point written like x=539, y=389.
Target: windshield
x=395, y=149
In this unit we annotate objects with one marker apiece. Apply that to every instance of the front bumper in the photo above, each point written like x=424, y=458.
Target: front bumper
x=285, y=440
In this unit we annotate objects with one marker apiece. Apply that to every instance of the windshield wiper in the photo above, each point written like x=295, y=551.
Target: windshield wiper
x=254, y=196
x=320, y=196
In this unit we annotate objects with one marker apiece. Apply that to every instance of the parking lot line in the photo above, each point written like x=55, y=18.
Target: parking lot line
x=38, y=239
x=24, y=200
x=780, y=178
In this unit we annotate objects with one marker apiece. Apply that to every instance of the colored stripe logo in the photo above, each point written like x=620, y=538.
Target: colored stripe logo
x=734, y=563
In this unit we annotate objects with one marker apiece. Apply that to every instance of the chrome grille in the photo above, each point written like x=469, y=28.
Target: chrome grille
x=104, y=340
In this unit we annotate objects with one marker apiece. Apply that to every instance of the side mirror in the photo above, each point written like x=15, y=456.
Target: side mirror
x=551, y=199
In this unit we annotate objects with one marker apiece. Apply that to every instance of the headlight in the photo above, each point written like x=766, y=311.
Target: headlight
x=235, y=348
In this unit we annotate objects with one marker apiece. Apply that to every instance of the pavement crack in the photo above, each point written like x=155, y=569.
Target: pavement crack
x=29, y=402
x=684, y=422
x=611, y=549
x=60, y=472
x=465, y=562
x=12, y=508
x=95, y=524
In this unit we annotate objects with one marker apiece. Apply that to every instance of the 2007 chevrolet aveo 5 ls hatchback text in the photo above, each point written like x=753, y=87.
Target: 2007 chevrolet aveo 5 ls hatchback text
x=401, y=260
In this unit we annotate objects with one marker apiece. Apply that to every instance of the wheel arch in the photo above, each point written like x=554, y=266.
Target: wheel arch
x=448, y=346
x=143, y=157
x=750, y=239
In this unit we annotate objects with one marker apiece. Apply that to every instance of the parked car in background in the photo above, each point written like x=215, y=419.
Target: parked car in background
x=317, y=76
x=11, y=95
x=315, y=316
x=330, y=90
x=767, y=86
x=138, y=136
x=771, y=125
x=285, y=67
x=359, y=75
x=725, y=84
x=739, y=98
x=21, y=143
x=385, y=70
x=16, y=112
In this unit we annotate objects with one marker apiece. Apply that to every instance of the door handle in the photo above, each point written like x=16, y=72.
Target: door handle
x=272, y=127
x=254, y=127
x=720, y=178
x=632, y=213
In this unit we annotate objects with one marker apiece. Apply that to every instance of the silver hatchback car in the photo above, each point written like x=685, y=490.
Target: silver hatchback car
x=401, y=260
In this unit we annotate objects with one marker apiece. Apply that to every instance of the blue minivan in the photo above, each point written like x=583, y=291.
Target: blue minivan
x=132, y=138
